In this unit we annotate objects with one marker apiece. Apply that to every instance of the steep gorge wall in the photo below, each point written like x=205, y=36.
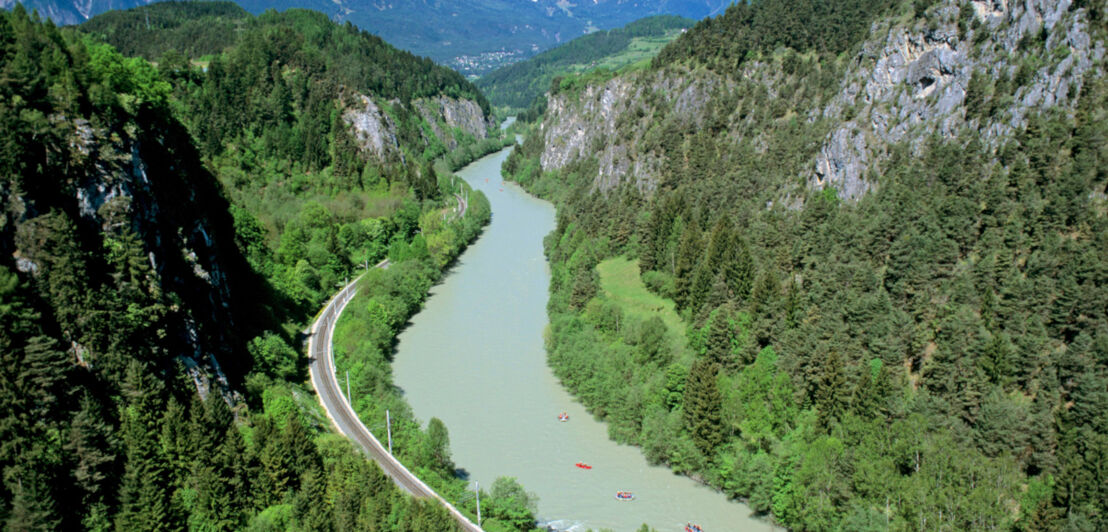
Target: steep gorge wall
x=911, y=79
x=916, y=81
x=180, y=280
x=447, y=119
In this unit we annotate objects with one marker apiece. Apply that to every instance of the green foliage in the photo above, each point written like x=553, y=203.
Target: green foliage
x=923, y=357
x=267, y=111
x=511, y=504
x=134, y=82
x=703, y=406
x=138, y=279
x=347, y=56
x=746, y=30
x=193, y=28
x=273, y=356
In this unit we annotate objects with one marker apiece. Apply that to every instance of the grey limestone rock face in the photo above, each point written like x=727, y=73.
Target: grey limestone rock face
x=585, y=124
x=375, y=130
x=917, y=85
x=575, y=124
x=845, y=159
x=446, y=114
x=908, y=83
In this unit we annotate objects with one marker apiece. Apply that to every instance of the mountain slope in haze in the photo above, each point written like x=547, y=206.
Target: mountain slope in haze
x=473, y=36
x=65, y=12
x=885, y=225
x=516, y=86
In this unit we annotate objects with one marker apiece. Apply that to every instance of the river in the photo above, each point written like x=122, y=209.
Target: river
x=474, y=358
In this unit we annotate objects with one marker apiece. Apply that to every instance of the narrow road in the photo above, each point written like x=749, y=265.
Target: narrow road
x=460, y=210
x=322, y=369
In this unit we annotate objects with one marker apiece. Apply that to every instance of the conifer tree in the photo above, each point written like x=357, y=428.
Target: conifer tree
x=32, y=506
x=92, y=442
x=830, y=392
x=720, y=343
x=1042, y=437
x=584, y=287
x=872, y=391
x=739, y=268
x=701, y=287
x=144, y=492
x=703, y=406
x=688, y=255
x=310, y=513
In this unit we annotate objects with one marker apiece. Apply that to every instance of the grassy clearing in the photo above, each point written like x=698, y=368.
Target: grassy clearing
x=640, y=49
x=620, y=282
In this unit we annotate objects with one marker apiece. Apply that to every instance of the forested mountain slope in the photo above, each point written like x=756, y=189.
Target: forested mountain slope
x=167, y=230
x=516, y=86
x=884, y=224
x=194, y=29
x=297, y=109
x=473, y=36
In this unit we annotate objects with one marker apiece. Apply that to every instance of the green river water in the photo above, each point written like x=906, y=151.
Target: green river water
x=474, y=358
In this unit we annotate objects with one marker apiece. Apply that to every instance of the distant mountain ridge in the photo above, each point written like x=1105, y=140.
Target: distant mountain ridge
x=73, y=12
x=473, y=36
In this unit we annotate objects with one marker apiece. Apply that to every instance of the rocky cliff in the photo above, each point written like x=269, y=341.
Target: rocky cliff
x=984, y=65
x=917, y=80
x=130, y=243
x=442, y=119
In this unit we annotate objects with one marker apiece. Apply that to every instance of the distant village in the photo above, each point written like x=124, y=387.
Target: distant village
x=474, y=66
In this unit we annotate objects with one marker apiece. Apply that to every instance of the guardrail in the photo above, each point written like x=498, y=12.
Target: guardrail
x=337, y=406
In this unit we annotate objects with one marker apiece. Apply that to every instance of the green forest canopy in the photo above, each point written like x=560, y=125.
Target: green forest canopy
x=103, y=427
x=934, y=356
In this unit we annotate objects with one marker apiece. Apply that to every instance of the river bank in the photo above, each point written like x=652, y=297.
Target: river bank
x=474, y=357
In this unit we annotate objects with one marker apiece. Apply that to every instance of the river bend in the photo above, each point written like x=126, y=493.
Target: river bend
x=474, y=358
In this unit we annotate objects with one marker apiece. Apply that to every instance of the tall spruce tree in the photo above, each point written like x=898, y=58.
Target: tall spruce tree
x=719, y=346
x=688, y=255
x=145, y=490
x=831, y=394
x=703, y=406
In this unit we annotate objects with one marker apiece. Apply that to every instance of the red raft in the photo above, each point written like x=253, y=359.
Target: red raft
x=693, y=528
x=583, y=465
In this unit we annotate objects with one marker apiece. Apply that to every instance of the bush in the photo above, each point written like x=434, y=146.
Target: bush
x=659, y=282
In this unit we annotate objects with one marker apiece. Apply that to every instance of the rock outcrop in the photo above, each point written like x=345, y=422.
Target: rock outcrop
x=593, y=122
x=914, y=81
x=447, y=120
x=137, y=184
x=374, y=130
x=451, y=117
x=909, y=81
